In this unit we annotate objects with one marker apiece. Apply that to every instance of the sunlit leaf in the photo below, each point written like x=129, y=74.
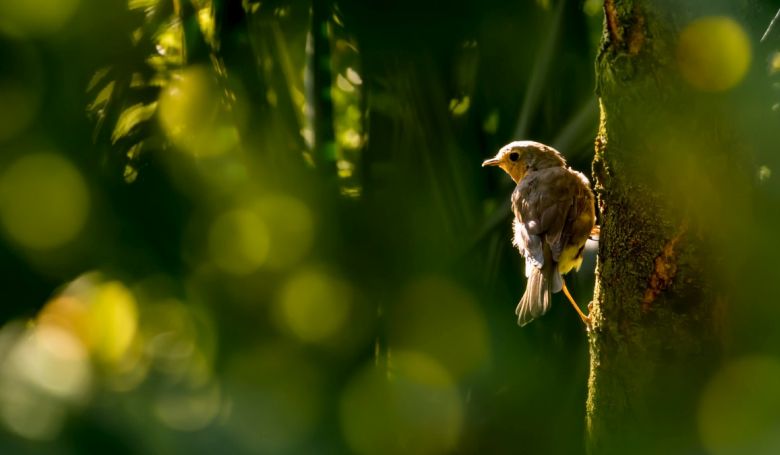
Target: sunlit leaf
x=141, y=4
x=102, y=98
x=97, y=78
x=131, y=118
x=460, y=106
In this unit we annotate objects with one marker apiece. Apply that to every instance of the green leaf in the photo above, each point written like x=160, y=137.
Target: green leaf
x=132, y=117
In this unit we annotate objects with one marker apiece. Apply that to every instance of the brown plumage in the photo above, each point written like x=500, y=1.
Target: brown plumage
x=554, y=215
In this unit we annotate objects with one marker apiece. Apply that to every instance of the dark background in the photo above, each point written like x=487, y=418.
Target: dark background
x=289, y=251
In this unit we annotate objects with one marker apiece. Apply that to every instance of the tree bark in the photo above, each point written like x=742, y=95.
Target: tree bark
x=663, y=151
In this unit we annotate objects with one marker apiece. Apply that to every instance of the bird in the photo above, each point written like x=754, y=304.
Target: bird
x=554, y=214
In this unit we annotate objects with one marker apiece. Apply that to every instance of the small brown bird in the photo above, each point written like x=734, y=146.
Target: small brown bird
x=554, y=215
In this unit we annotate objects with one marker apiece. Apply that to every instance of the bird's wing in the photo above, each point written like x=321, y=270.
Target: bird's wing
x=581, y=217
x=530, y=245
x=543, y=203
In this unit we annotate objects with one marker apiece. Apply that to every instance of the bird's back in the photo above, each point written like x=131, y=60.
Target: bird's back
x=557, y=205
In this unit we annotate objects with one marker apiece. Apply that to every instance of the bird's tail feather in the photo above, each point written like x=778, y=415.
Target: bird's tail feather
x=536, y=300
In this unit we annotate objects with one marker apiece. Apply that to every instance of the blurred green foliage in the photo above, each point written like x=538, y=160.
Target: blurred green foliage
x=202, y=252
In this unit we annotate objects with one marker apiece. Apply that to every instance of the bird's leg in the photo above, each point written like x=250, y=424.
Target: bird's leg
x=584, y=318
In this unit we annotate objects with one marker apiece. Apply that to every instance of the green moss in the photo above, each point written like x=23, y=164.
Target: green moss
x=644, y=358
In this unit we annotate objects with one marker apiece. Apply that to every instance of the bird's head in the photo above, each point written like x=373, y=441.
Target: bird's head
x=520, y=157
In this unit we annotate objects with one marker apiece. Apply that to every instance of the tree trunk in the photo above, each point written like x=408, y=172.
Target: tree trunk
x=666, y=144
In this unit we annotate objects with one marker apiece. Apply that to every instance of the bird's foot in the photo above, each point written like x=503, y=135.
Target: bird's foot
x=588, y=323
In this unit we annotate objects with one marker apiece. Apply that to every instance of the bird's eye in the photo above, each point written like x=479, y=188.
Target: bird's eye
x=514, y=156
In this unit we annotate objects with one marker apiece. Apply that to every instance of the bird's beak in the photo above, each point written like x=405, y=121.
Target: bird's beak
x=491, y=162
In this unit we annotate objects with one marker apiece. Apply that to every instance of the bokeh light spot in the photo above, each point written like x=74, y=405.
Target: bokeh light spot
x=239, y=242
x=67, y=313
x=188, y=410
x=290, y=226
x=54, y=360
x=189, y=109
x=276, y=397
x=713, y=53
x=440, y=319
x=177, y=343
x=36, y=17
x=411, y=407
x=44, y=201
x=314, y=306
x=764, y=173
x=29, y=413
x=592, y=7
x=130, y=370
x=739, y=412
x=113, y=321
x=774, y=63
x=43, y=370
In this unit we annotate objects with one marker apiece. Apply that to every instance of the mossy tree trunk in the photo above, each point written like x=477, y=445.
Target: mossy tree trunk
x=663, y=155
